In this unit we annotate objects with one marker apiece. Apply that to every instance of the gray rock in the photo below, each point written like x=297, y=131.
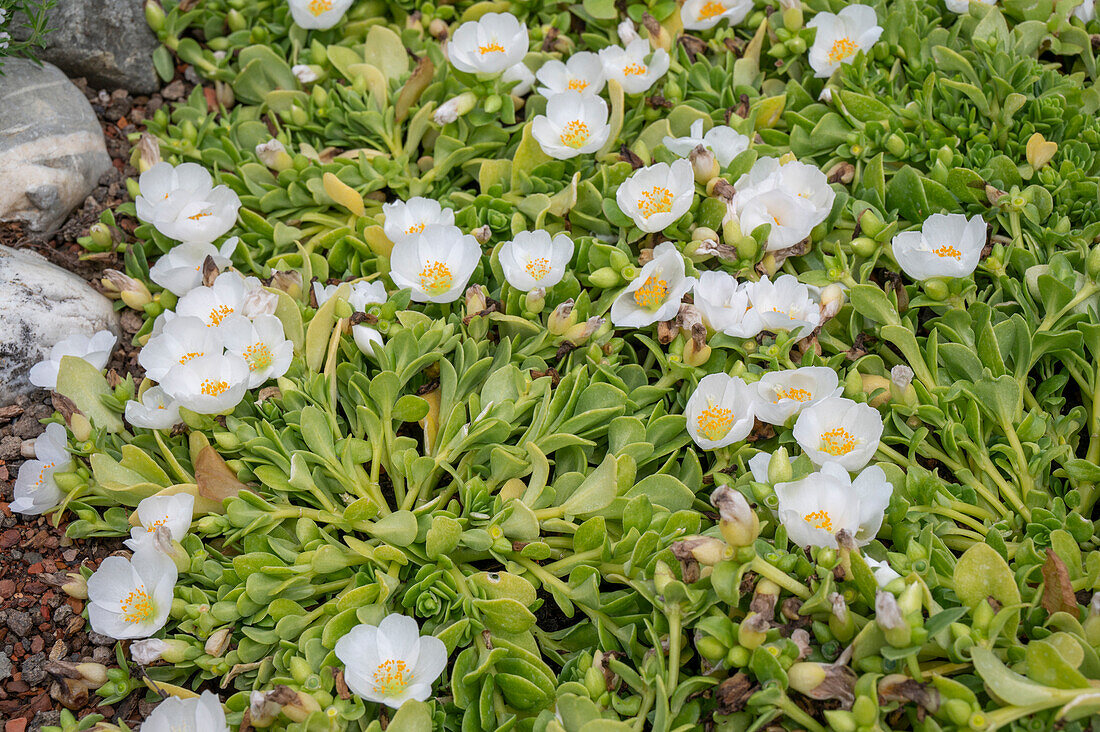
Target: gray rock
x=107, y=42
x=40, y=304
x=19, y=622
x=5, y=667
x=10, y=447
x=34, y=669
x=52, y=150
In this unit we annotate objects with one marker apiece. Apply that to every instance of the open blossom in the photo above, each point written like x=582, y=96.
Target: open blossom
x=318, y=14
x=262, y=345
x=180, y=270
x=722, y=140
x=183, y=203
x=657, y=195
x=815, y=508
x=782, y=394
x=155, y=411
x=634, y=67
x=436, y=265
x=839, y=430
x=391, y=663
x=792, y=197
x=363, y=295
x=172, y=512
x=961, y=6
x=1086, y=11
x=533, y=259
x=947, y=245
x=720, y=411
x=180, y=340
x=96, y=350
x=214, y=304
x=203, y=713
x=35, y=489
x=489, y=45
x=884, y=573
x=131, y=598
x=573, y=125
x=656, y=292
x=582, y=72
x=725, y=305
x=407, y=219
x=210, y=384
x=523, y=77
x=785, y=304
x=705, y=14
x=840, y=36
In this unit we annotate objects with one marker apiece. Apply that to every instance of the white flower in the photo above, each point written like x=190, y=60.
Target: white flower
x=725, y=142
x=488, y=45
x=634, y=67
x=259, y=301
x=305, y=74
x=758, y=465
x=705, y=14
x=656, y=292
x=839, y=37
x=1086, y=11
x=183, y=203
x=724, y=304
x=363, y=295
x=815, y=508
x=790, y=221
x=839, y=430
x=720, y=411
x=582, y=72
x=626, y=32
x=782, y=394
x=391, y=663
x=262, y=345
x=318, y=14
x=131, y=598
x=180, y=340
x=534, y=259
x=655, y=196
x=147, y=652
x=407, y=219
x=172, y=512
x=961, y=6
x=199, y=714
x=96, y=350
x=523, y=76
x=180, y=270
x=155, y=411
x=793, y=197
x=785, y=304
x=35, y=489
x=574, y=124
x=884, y=573
x=436, y=265
x=210, y=384
x=214, y=304
x=947, y=245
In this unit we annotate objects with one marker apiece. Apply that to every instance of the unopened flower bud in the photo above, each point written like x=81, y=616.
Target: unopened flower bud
x=832, y=300
x=581, y=332
x=779, y=467
x=877, y=388
x=792, y=14
x=75, y=586
x=841, y=622
x=273, y=154
x=454, y=108
x=148, y=152
x=218, y=642
x=121, y=286
x=289, y=281
x=562, y=318
x=696, y=351
x=626, y=32
x=535, y=300
x=80, y=427
x=154, y=15
x=695, y=551
x=438, y=28
x=889, y=619
x=476, y=300
x=662, y=576
x=901, y=384
x=259, y=302
x=604, y=278
x=753, y=630
x=162, y=540
x=262, y=711
x=223, y=94
x=703, y=164
x=738, y=523
x=151, y=650
x=823, y=681
x=482, y=234
x=305, y=74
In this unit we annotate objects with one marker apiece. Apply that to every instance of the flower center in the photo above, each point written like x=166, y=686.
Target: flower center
x=635, y=69
x=415, y=229
x=537, y=267
x=657, y=199
x=159, y=522
x=319, y=6
x=435, y=278
x=799, y=395
x=137, y=606
x=492, y=47
x=842, y=48
x=710, y=10
x=715, y=422
x=42, y=475
x=258, y=356
x=188, y=356
x=837, y=442
x=199, y=215
x=577, y=85
x=820, y=520
x=652, y=293
x=214, y=388
x=947, y=251
x=392, y=677
x=218, y=314
x=574, y=134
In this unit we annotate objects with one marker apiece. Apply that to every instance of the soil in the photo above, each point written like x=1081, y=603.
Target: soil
x=38, y=621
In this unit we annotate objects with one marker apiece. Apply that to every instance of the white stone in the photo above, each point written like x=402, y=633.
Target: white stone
x=40, y=304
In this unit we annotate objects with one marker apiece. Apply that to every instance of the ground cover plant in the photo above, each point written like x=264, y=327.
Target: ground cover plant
x=519, y=365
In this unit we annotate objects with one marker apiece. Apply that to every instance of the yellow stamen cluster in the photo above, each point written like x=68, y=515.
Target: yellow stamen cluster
x=319, y=6
x=214, y=388
x=537, y=267
x=842, y=48
x=820, y=520
x=652, y=293
x=259, y=356
x=392, y=677
x=218, y=314
x=635, y=70
x=947, y=251
x=575, y=134
x=837, y=441
x=436, y=278
x=715, y=422
x=159, y=522
x=137, y=606
x=577, y=85
x=188, y=356
x=42, y=474
x=415, y=229
x=710, y=10
x=799, y=395
x=200, y=215
x=657, y=199
x=493, y=47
